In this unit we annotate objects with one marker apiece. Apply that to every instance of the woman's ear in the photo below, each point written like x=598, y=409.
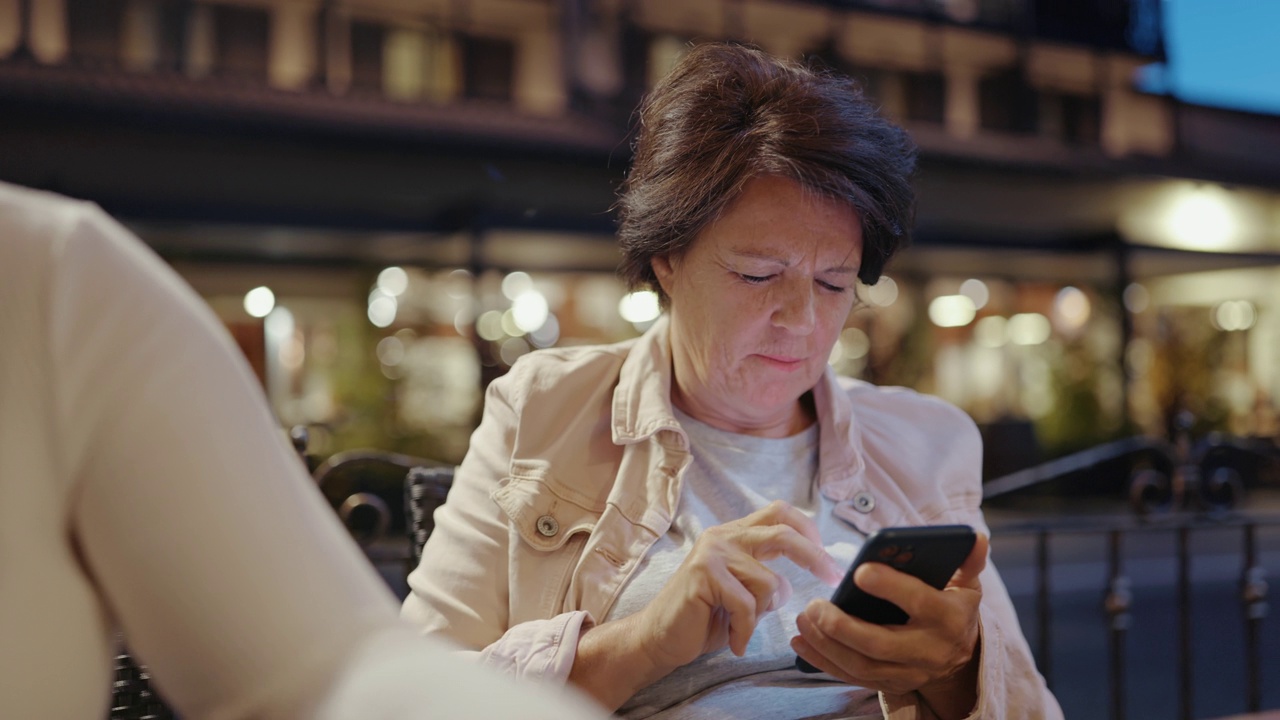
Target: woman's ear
x=664, y=271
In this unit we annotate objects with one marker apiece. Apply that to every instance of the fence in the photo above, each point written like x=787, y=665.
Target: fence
x=1115, y=607
x=1197, y=564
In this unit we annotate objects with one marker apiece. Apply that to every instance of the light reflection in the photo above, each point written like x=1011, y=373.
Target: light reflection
x=390, y=350
x=489, y=326
x=952, y=311
x=462, y=321
x=458, y=283
x=259, y=301
x=279, y=325
x=1234, y=315
x=991, y=331
x=382, y=309
x=639, y=307
x=977, y=291
x=529, y=311
x=293, y=353
x=1028, y=329
x=512, y=349
x=1202, y=219
x=547, y=335
x=509, y=326
x=883, y=293
x=515, y=284
x=393, y=281
x=1071, y=308
x=1136, y=298
x=855, y=342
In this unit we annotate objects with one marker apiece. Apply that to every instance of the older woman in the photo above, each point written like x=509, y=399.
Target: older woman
x=659, y=522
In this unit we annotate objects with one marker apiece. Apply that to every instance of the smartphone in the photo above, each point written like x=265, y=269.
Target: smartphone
x=931, y=553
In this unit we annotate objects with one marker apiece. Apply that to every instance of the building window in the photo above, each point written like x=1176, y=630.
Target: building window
x=243, y=35
x=924, y=95
x=94, y=31
x=870, y=79
x=367, y=40
x=1073, y=119
x=488, y=68
x=1006, y=103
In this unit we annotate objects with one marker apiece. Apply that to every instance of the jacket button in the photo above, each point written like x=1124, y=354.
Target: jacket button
x=863, y=502
x=548, y=526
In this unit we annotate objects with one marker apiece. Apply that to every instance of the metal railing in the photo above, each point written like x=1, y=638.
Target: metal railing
x=1117, y=600
x=1177, y=492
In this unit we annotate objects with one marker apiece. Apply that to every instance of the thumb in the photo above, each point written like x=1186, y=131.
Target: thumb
x=967, y=575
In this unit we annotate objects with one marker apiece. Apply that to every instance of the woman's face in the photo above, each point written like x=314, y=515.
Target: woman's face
x=757, y=302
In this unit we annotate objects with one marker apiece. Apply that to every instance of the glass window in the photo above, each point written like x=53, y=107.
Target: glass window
x=925, y=95
x=243, y=35
x=93, y=30
x=488, y=68
x=366, y=56
x=1006, y=103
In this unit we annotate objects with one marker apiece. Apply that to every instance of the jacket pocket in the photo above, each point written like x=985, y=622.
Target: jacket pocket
x=545, y=512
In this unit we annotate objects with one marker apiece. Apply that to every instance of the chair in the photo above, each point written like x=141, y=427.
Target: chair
x=425, y=489
x=131, y=695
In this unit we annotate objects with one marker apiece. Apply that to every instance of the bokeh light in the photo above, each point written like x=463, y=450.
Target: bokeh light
x=952, y=311
x=259, y=301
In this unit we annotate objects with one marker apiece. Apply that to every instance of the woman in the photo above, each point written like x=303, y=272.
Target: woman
x=659, y=522
x=144, y=486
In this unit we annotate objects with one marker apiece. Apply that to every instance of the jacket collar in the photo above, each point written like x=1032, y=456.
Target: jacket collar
x=642, y=408
x=642, y=399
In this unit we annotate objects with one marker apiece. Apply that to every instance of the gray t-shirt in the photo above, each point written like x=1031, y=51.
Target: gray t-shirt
x=731, y=476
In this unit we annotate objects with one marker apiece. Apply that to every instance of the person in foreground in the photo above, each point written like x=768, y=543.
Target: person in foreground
x=660, y=521
x=145, y=486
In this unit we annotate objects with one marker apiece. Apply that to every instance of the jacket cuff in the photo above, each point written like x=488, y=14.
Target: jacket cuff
x=540, y=650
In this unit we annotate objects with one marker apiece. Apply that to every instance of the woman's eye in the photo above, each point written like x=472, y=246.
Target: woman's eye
x=754, y=279
x=831, y=287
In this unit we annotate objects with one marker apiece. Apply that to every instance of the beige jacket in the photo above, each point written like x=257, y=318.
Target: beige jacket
x=576, y=469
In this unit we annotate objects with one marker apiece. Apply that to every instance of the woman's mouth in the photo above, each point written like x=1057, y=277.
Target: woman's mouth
x=782, y=362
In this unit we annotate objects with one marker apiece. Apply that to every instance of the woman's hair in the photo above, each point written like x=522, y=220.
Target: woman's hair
x=728, y=113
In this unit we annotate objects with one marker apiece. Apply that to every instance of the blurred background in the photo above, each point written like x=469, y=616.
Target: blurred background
x=389, y=201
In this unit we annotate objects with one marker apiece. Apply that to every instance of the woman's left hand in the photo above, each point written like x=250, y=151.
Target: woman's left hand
x=935, y=653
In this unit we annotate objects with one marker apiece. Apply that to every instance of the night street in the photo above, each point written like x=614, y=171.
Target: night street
x=1079, y=670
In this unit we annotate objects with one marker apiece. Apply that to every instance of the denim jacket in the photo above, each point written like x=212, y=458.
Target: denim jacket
x=576, y=469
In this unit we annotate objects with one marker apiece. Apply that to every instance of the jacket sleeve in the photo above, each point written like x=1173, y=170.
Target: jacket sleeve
x=1009, y=685
x=461, y=589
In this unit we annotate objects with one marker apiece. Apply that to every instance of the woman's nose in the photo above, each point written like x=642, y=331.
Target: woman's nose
x=795, y=310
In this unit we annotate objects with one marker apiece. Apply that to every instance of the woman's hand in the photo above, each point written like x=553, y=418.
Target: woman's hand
x=935, y=653
x=714, y=599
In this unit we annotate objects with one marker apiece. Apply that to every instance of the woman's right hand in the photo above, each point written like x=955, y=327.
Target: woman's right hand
x=714, y=599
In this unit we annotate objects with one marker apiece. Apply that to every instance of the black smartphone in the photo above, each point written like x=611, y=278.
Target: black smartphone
x=931, y=553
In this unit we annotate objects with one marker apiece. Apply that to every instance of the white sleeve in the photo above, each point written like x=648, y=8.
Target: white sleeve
x=209, y=543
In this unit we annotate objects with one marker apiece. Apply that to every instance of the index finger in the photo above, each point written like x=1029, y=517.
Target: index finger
x=765, y=542
x=779, y=512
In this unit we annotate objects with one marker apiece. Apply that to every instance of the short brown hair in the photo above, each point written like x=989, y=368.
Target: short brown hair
x=727, y=113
